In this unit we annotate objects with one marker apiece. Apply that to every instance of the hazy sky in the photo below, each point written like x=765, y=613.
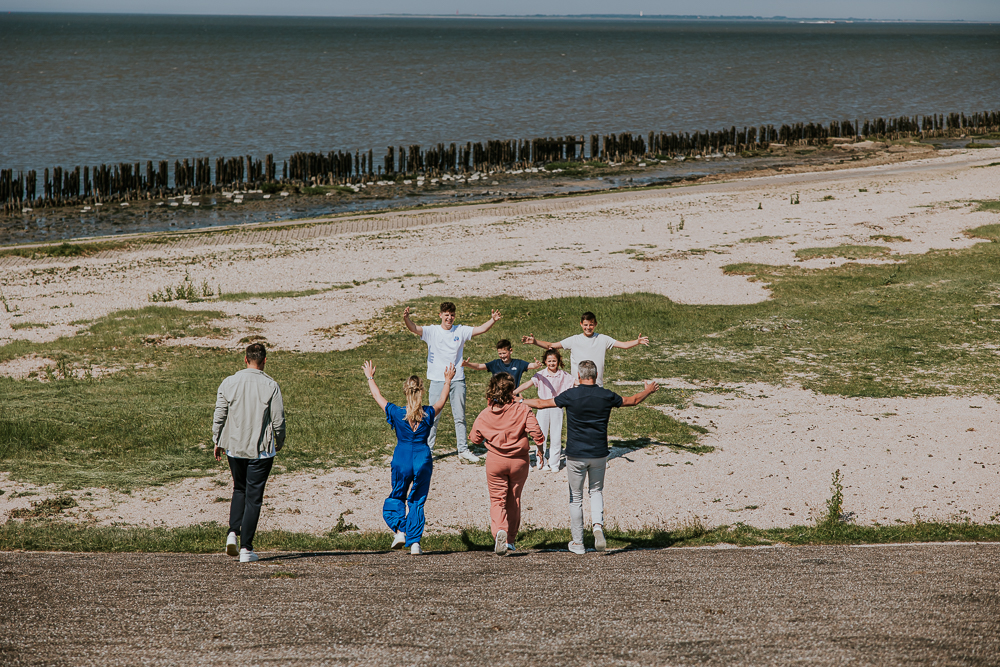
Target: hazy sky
x=974, y=10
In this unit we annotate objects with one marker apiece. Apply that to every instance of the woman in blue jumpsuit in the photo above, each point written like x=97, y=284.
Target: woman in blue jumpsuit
x=412, y=462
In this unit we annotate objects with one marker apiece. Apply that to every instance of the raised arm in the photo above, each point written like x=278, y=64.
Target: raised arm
x=535, y=364
x=488, y=324
x=369, y=368
x=474, y=366
x=545, y=345
x=539, y=403
x=449, y=373
x=416, y=329
x=641, y=340
x=636, y=399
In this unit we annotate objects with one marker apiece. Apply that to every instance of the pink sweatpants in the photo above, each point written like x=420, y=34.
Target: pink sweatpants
x=505, y=478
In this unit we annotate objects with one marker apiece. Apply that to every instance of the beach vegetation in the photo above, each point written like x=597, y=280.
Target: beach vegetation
x=16, y=326
x=919, y=326
x=276, y=294
x=889, y=239
x=991, y=206
x=495, y=266
x=50, y=532
x=973, y=144
x=81, y=249
x=845, y=251
x=761, y=239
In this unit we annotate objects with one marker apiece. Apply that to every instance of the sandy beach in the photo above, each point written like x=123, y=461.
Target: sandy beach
x=775, y=447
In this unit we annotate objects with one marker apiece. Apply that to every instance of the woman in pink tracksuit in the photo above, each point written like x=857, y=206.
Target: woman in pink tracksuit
x=505, y=426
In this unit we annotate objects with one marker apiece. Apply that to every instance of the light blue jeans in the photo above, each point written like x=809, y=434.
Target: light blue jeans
x=457, y=399
x=591, y=470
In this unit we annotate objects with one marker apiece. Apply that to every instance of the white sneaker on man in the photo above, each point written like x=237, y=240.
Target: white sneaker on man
x=399, y=540
x=577, y=548
x=500, y=547
x=468, y=456
x=231, y=548
x=248, y=556
x=415, y=549
x=600, y=544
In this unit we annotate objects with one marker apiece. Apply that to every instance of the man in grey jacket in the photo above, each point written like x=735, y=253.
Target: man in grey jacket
x=249, y=426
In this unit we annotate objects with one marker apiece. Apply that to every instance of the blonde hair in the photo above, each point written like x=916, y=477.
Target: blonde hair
x=414, y=389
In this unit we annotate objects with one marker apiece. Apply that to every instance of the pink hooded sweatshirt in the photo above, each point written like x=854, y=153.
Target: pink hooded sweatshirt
x=505, y=429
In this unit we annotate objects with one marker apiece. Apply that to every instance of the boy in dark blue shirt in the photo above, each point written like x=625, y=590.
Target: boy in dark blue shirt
x=505, y=364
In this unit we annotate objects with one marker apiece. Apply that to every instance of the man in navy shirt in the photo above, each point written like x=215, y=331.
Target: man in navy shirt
x=588, y=409
x=505, y=364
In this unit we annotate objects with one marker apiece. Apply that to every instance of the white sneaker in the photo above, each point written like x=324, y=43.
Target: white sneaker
x=468, y=456
x=600, y=544
x=577, y=548
x=500, y=547
x=399, y=540
x=415, y=549
x=247, y=556
x=231, y=548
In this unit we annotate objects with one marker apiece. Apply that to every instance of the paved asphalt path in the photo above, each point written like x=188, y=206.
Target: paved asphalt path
x=935, y=604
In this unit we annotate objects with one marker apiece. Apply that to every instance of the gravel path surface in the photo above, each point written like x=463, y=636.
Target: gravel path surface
x=911, y=604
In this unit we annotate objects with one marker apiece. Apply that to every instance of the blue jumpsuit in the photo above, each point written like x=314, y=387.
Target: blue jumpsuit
x=412, y=464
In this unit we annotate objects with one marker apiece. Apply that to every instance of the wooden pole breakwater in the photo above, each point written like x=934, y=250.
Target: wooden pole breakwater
x=124, y=182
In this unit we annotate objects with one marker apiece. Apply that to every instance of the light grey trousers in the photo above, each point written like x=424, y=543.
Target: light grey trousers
x=457, y=399
x=593, y=470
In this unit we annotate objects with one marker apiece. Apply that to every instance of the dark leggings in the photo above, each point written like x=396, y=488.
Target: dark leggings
x=249, y=478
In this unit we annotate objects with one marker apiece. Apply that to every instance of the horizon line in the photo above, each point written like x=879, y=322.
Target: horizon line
x=630, y=16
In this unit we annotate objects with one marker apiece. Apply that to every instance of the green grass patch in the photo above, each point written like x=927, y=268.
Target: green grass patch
x=494, y=266
x=992, y=206
x=42, y=535
x=973, y=144
x=761, y=239
x=988, y=232
x=278, y=294
x=889, y=239
x=846, y=251
x=28, y=325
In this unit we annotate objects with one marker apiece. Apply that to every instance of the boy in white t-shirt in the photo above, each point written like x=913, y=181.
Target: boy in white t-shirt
x=588, y=345
x=445, y=345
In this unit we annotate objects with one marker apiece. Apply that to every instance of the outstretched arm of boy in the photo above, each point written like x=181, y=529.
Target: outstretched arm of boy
x=369, y=368
x=488, y=324
x=535, y=364
x=636, y=399
x=415, y=328
x=641, y=340
x=449, y=373
x=544, y=344
x=474, y=366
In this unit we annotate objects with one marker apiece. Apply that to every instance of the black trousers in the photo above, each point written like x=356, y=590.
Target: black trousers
x=249, y=479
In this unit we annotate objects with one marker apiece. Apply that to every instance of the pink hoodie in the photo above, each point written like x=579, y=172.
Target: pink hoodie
x=505, y=429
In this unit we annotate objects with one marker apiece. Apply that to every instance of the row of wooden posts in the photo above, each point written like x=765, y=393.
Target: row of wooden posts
x=126, y=181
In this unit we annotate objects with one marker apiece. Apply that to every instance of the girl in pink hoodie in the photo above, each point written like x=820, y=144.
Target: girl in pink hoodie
x=505, y=426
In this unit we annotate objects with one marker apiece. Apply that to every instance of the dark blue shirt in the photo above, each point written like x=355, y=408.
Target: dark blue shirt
x=396, y=417
x=516, y=368
x=588, y=409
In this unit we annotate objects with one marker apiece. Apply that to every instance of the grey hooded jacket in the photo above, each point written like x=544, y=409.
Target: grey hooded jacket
x=249, y=415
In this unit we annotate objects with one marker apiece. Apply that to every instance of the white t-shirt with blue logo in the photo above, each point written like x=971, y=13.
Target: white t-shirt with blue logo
x=445, y=346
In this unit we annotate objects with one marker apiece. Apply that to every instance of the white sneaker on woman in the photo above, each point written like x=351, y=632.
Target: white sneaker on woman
x=500, y=546
x=577, y=548
x=415, y=549
x=399, y=540
x=248, y=556
x=468, y=456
